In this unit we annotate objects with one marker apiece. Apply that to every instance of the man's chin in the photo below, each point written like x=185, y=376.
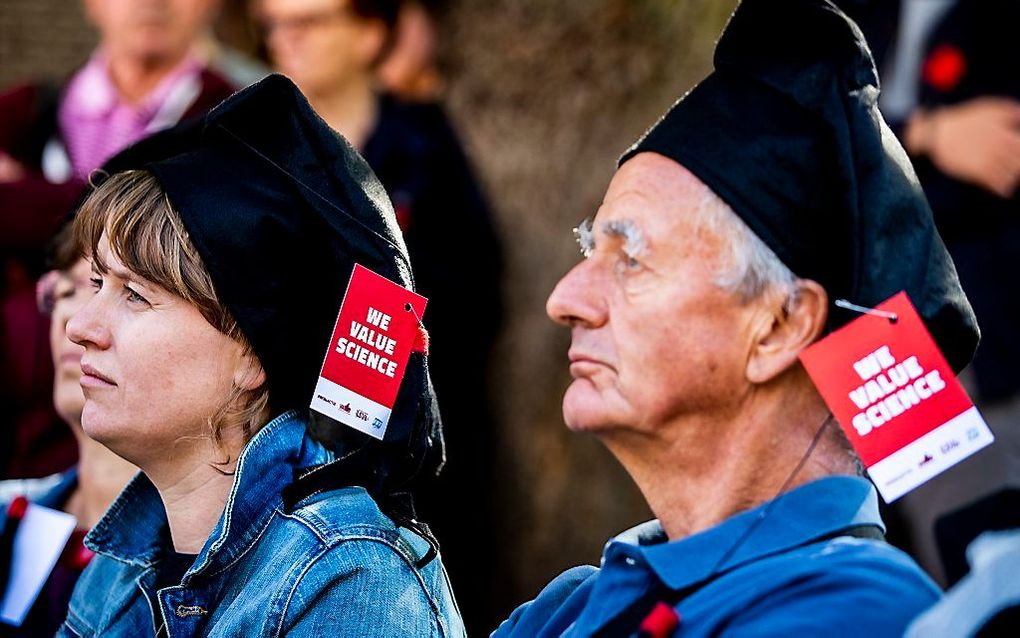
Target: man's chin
x=582, y=408
x=155, y=49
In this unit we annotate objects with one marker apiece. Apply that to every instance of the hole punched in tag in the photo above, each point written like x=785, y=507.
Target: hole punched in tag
x=843, y=303
x=409, y=308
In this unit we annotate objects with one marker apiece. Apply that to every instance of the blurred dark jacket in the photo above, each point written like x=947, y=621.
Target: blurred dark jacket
x=457, y=263
x=971, y=52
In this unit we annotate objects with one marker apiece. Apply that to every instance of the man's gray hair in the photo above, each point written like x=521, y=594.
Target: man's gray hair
x=749, y=268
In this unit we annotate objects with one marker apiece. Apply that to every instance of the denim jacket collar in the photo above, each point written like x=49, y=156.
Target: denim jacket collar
x=135, y=529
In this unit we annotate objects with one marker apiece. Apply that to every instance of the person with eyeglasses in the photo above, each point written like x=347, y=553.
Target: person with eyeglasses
x=84, y=491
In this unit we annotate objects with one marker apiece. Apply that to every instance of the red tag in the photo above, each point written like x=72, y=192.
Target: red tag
x=377, y=327
x=896, y=397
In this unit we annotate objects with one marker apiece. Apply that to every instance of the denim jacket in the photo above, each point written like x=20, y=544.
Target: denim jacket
x=334, y=565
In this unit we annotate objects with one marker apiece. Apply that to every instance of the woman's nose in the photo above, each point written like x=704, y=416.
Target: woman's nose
x=86, y=325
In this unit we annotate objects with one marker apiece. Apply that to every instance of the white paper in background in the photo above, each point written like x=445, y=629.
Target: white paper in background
x=40, y=540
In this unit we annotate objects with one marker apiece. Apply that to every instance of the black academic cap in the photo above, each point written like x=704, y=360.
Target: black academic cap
x=786, y=130
x=280, y=208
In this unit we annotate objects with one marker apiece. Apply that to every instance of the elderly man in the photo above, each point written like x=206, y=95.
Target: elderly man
x=769, y=191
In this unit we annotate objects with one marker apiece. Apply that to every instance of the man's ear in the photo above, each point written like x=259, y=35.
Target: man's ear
x=249, y=375
x=784, y=327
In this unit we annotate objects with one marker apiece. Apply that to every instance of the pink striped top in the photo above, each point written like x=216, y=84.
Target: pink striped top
x=95, y=122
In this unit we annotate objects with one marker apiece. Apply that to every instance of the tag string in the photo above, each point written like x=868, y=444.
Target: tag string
x=891, y=316
x=421, y=342
x=409, y=308
x=764, y=512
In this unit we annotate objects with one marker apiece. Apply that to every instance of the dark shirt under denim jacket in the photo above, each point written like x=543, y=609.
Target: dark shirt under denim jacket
x=333, y=565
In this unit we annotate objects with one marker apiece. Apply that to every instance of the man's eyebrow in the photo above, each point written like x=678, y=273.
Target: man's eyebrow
x=634, y=242
x=585, y=237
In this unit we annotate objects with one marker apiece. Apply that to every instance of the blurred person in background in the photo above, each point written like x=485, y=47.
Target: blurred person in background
x=985, y=601
x=767, y=192
x=142, y=78
x=950, y=73
x=332, y=50
x=238, y=68
x=411, y=69
x=221, y=254
x=86, y=490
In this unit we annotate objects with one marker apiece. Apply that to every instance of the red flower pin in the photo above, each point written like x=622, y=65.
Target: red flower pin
x=944, y=68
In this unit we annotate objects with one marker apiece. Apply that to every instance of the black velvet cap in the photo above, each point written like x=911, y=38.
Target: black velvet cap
x=786, y=130
x=280, y=208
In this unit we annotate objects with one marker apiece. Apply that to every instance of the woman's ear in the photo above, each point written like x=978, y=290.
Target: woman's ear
x=249, y=375
x=787, y=326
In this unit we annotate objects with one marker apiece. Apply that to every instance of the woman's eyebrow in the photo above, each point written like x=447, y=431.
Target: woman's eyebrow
x=127, y=275
x=120, y=273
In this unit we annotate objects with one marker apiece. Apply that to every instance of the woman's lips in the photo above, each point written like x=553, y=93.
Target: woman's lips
x=90, y=377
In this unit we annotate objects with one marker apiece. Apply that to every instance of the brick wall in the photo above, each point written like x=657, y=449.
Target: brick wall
x=42, y=38
x=49, y=38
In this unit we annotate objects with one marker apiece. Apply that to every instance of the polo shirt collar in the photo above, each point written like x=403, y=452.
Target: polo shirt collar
x=814, y=511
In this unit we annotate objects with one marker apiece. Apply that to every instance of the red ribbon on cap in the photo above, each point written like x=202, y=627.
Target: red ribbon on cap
x=421, y=341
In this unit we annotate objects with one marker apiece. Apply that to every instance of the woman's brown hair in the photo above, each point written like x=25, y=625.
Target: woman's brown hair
x=147, y=235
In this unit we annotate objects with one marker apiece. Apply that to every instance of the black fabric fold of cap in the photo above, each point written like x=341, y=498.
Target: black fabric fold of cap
x=786, y=130
x=280, y=208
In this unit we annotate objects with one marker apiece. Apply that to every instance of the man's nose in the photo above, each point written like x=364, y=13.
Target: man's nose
x=87, y=327
x=578, y=297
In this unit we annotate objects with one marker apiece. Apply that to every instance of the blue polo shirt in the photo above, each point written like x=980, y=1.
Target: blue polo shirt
x=781, y=569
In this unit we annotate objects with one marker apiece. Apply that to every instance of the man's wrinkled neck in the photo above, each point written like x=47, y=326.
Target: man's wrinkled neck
x=702, y=468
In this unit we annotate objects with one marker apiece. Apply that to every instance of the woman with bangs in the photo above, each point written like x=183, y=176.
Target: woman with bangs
x=220, y=254
x=137, y=243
